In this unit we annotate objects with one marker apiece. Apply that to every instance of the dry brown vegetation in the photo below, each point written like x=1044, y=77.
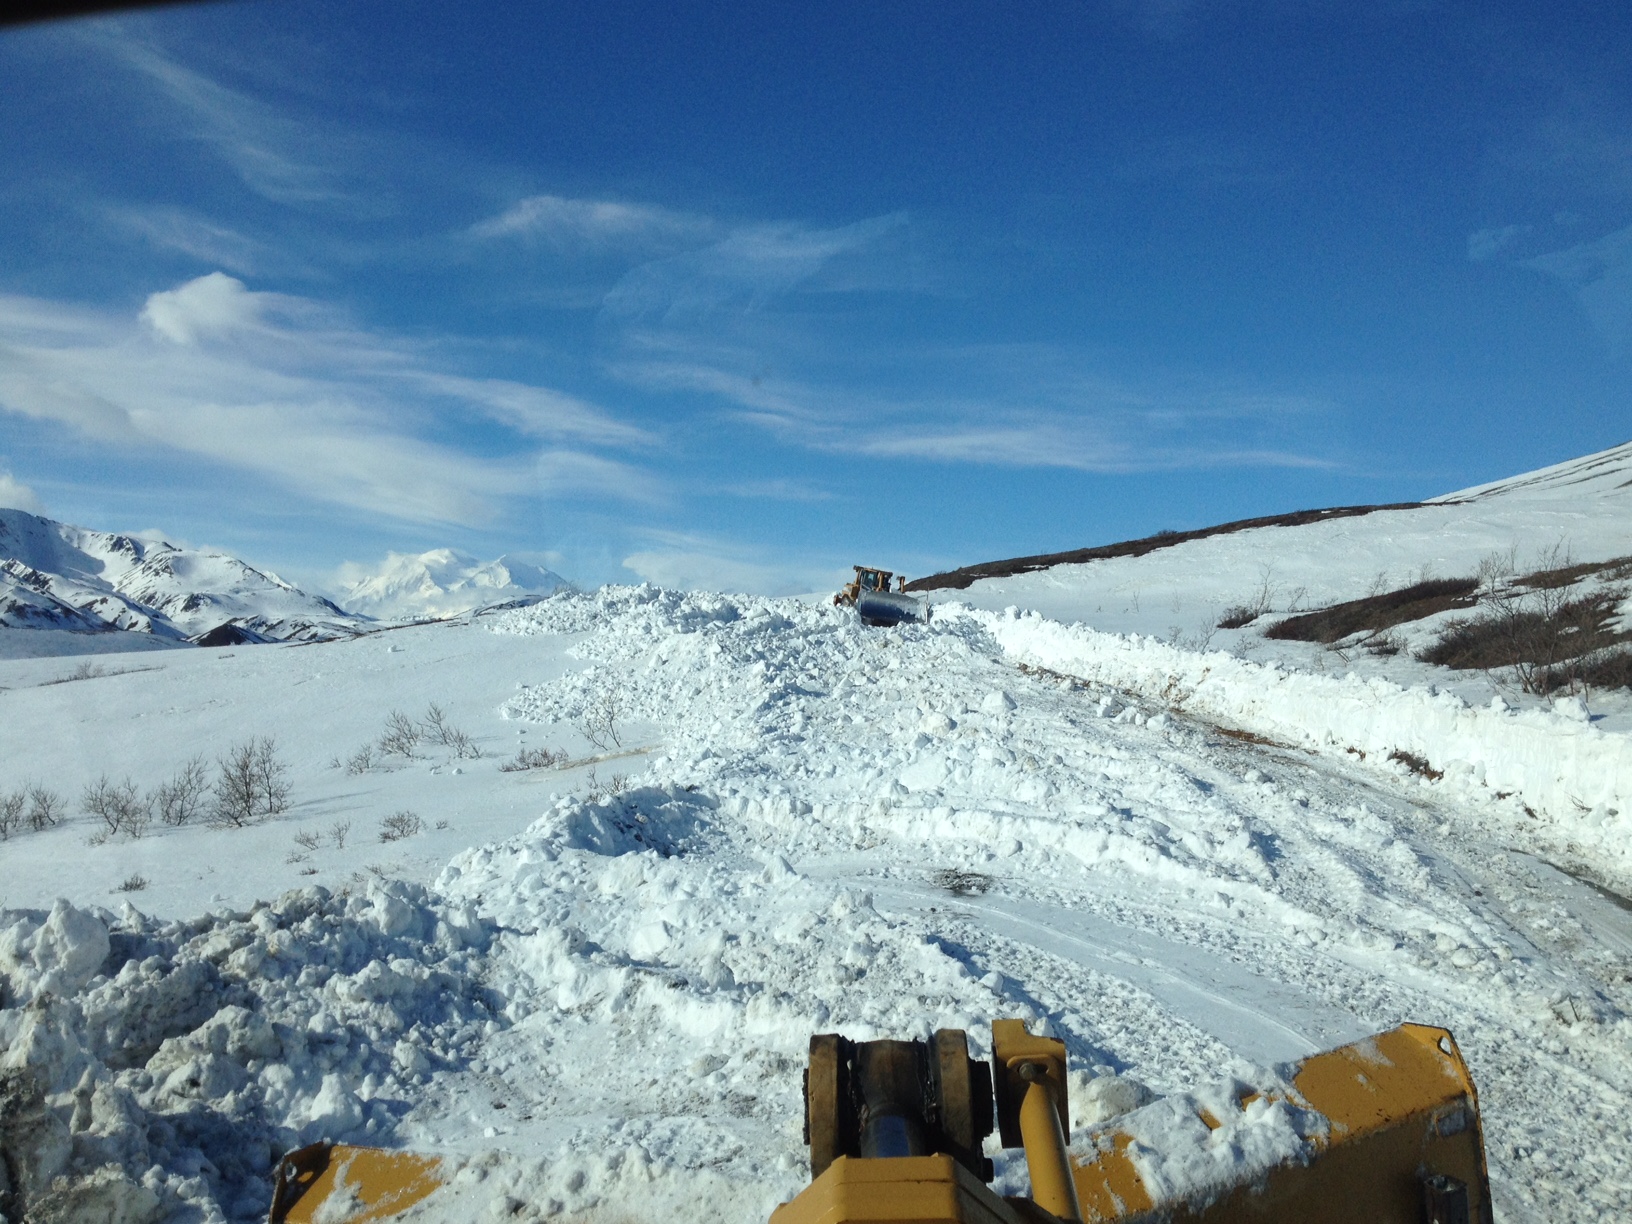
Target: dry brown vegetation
x=1377, y=613
x=1552, y=638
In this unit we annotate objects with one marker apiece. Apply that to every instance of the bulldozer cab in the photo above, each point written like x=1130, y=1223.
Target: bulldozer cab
x=868, y=579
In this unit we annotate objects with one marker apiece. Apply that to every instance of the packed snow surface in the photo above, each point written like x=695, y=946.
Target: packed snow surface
x=595, y=1003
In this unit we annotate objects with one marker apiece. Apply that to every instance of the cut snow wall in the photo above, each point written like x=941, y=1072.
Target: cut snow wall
x=1567, y=770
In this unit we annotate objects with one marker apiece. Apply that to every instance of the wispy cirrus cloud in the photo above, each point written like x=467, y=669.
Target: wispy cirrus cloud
x=563, y=221
x=743, y=323
x=1599, y=273
x=273, y=151
x=748, y=269
x=188, y=233
x=292, y=390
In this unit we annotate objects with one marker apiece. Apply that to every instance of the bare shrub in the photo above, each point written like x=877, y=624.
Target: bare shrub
x=45, y=808
x=235, y=791
x=251, y=783
x=600, y=791
x=1238, y=616
x=436, y=729
x=1550, y=639
x=401, y=735
x=133, y=883
x=1601, y=670
x=271, y=778
x=399, y=825
x=338, y=832
x=598, y=720
x=434, y=726
x=361, y=761
x=533, y=758
x=1498, y=565
x=308, y=838
x=11, y=813
x=181, y=799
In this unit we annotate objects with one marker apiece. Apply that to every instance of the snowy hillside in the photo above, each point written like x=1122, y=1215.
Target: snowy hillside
x=588, y=984
x=443, y=582
x=1575, y=516
x=57, y=577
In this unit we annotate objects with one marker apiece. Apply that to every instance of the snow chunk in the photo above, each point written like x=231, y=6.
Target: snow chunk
x=58, y=955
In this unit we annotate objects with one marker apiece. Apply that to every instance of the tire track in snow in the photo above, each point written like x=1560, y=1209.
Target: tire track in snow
x=1261, y=1019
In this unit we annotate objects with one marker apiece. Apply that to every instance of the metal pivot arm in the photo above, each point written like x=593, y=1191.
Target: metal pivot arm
x=1032, y=1112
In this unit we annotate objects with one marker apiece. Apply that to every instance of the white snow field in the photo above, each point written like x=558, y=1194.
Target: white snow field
x=1579, y=511
x=592, y=995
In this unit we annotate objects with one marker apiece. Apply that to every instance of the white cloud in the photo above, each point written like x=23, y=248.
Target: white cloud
x=15, y=495
x=566, y=222
x=286, y=388
x=211, y=305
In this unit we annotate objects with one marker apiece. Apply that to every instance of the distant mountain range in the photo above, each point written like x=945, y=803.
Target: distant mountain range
x=444, y=582
x=57, y=576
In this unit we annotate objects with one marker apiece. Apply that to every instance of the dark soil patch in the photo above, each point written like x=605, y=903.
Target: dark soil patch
x=1248, y=737
x=1376, y=613
x=958, y=579
x=962, y=883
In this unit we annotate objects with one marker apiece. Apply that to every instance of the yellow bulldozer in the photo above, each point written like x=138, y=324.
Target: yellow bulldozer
x=897, y=1132
x=870, y=595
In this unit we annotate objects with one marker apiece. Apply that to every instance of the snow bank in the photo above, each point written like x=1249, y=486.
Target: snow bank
x=1569, y=772
x=155, y=1070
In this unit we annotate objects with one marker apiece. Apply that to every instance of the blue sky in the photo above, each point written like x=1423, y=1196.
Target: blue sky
x=734, y=295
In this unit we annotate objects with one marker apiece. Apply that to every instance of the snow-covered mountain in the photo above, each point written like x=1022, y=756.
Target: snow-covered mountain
x=56, y=576
x=444, y=582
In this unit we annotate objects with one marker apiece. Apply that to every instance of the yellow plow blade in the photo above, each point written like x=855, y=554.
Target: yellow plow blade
x=336, y=1183
x=1404, y=1147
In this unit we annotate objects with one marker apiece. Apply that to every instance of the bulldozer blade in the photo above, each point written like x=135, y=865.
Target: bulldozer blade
x=1398, y=1141
x=889, y=608
x=336, y=1182
x=1404, y=1146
